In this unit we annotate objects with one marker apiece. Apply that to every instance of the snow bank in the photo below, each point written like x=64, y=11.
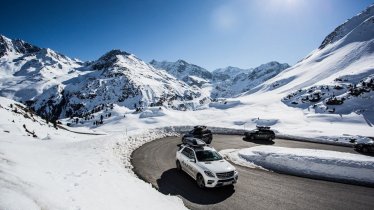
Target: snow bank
x=125, y=146
x=320, y=164
x=345, y=140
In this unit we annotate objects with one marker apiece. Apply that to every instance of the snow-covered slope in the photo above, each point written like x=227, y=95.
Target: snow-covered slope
x=118, y=78
x=245, y=80
x=189, y=73
x=337, y=77
x=58, y=169
x=347, y=27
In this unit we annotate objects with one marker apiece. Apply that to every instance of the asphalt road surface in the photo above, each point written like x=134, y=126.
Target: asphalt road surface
x=154, y=162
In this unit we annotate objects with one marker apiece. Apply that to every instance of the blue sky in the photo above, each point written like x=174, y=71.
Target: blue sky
x=209, y=33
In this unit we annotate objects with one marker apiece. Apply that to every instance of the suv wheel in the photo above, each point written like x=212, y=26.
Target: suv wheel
x=365, y=149
x=179, y=167
x=252, y=137
x=200, y=181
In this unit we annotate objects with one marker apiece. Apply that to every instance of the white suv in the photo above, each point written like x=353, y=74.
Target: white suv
x=205, y=165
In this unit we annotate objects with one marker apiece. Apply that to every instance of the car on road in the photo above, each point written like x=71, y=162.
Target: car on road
x=365, y=147
x=204, y=164
x=200, y=132
x=260, y=132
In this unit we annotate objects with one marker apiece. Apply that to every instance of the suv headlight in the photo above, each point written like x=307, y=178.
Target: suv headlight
x=209, y=173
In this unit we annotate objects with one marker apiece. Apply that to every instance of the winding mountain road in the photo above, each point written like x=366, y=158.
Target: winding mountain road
x=154, y=162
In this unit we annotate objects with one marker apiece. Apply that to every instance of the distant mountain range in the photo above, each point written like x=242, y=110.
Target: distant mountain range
x=225, y=82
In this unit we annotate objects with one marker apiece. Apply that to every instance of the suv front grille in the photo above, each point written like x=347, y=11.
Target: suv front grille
x=225, y=175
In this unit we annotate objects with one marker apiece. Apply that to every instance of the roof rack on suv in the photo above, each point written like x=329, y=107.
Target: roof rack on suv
x=263, y=127
x=200, y=127
x=194, y=142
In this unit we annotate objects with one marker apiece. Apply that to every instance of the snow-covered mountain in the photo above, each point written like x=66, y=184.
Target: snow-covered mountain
x=189, y=73
x=118, y=78
x=338, y=76
x=227, y=73
x=224, y=82
x=27, y=71
x=58, y=86
x=244, y=80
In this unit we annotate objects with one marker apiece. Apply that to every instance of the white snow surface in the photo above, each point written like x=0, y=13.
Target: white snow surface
x=71, y=171
x=321, y=164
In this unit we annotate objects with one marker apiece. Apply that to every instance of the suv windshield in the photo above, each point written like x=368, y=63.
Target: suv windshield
x=207, y=155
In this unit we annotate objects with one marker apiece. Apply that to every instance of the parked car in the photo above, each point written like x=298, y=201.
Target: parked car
x=200, y=132
x=260, y=132
x=205, y=165
x=367, y=147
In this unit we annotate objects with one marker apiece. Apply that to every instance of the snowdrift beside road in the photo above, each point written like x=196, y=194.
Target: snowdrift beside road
x=320, y=164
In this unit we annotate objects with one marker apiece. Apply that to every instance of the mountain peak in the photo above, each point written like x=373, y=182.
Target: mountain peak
x=182, y=62
x=5, y=45
x=113, y=53
x=15, y=46
x=109, y=58
x=3, y=38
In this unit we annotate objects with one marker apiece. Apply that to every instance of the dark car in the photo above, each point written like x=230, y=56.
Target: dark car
x=194, y=142
x=367, y=147
x=200, y=132
x=260, y=133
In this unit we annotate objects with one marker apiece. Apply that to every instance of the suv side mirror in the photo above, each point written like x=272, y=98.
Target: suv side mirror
x=193, y=160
